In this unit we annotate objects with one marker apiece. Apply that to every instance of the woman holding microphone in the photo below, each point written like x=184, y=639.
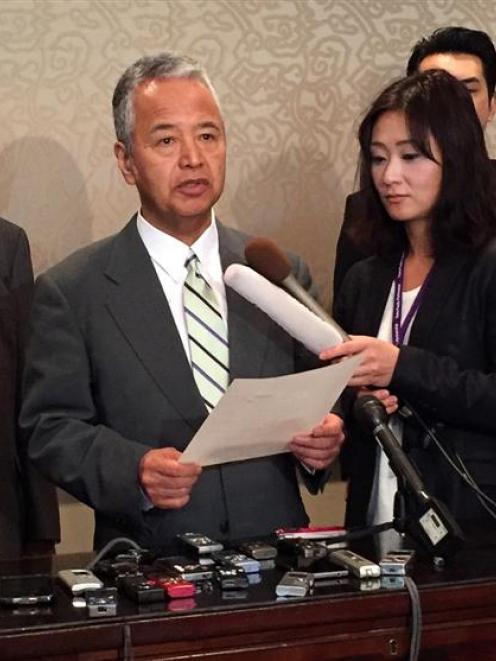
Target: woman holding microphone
x=422, y=310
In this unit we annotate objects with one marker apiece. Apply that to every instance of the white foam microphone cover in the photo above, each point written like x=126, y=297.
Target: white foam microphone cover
x=295, y=318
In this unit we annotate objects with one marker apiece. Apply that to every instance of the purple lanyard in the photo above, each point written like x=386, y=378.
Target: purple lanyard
x=398, y=328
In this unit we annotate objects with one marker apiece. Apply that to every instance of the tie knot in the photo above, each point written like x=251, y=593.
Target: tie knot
x=191, y=262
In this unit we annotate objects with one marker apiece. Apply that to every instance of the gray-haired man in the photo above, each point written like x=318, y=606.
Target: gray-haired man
x=114, y=382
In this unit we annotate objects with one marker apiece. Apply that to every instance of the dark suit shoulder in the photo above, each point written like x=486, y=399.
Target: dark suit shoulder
x=232, y=235
x=479, y=266
x=362, y=271
x=79, y=279
x=347, y=252
x=82, y=263
x=9, y=230
x=235, y=240
x=232, y=242
x=11, y=236
x=361, y=280
x=480, y=269
x=354, y=207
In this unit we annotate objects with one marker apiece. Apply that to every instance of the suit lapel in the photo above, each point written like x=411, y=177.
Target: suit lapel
x=248, y=326
x=446, y=270
x=138, y=305
x=370, y=308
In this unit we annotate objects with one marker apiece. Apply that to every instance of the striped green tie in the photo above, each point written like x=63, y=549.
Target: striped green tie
x=207, y=335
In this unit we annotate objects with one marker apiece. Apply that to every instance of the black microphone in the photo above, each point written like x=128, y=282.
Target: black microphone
x=432, y=522
x=267, y=259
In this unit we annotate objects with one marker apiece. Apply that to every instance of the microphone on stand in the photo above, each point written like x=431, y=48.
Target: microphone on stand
x=435, y=526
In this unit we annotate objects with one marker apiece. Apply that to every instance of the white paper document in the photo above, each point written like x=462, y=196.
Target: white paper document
x=258, y=417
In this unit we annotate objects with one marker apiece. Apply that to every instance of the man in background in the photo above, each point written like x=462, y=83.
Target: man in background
x=469, y=56
x=29, y=517
x=135, y=339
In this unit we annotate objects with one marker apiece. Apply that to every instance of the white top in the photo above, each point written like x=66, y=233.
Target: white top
x=169, y=255
x=385, y=482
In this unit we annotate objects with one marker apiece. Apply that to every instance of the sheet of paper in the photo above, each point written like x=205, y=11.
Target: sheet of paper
x=258, y=417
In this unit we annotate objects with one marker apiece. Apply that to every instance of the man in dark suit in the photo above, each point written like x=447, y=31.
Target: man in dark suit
x=469, y=56
x=112, y=392
x=29, y=519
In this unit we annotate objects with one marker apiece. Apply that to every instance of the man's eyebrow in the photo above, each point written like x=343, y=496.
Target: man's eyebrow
x=209, y=125
x=162, y=127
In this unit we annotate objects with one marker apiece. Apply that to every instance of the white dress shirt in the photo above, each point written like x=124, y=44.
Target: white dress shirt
x=385, y=482
x=169, y=255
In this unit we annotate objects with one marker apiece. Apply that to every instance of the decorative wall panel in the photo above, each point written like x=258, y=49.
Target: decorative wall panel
x=293, y=77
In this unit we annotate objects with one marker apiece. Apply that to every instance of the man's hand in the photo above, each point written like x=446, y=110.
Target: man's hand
x=318, y=448
x=166, y=482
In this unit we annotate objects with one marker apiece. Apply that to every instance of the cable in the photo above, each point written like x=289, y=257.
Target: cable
x=355, y=534
x=108, y=547
x=485, y=505
x=127, y=651
x=462, y=472
x=416, y=618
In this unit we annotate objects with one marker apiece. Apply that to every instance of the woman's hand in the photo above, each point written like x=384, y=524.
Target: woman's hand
x=390, y=401
x=379, y=359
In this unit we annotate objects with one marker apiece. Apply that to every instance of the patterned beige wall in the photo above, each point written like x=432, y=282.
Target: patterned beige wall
x=293, y=77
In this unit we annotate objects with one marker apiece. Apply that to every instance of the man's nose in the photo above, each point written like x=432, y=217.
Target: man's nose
x=191, y=155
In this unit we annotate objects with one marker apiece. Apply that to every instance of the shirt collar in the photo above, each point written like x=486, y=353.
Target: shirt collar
x=171, y=253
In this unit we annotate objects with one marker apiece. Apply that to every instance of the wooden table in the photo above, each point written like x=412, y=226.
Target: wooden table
x=337, y=621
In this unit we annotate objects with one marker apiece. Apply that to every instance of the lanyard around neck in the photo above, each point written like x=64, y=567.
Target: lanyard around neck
x=398, y=327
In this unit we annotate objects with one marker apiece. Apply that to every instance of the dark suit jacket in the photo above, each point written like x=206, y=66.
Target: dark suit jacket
x=107, y=379
x=448, y=373
x=29, y=511
x=347, y=252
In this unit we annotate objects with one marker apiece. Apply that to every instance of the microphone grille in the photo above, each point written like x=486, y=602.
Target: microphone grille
x=265, y=257
x=369, y=411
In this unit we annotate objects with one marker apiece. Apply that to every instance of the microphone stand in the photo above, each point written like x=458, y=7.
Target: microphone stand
x=405, y=521
x=401, y=521
x=426, y=519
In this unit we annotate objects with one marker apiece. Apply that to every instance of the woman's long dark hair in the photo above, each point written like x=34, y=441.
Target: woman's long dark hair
x=464, y=217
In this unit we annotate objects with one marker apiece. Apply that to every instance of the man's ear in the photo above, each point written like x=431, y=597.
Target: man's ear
x=125, y=162
x=492, y=108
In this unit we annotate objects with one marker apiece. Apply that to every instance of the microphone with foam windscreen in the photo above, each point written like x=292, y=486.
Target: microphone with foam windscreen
x=267, y=259
x=297, y=320
x=430, y=521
